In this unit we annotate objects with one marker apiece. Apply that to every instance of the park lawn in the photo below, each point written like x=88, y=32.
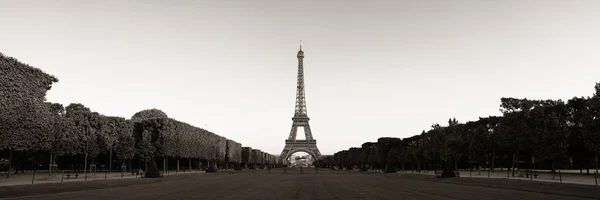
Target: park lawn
x=293, y=185
x=50, y=188
x=563, y=189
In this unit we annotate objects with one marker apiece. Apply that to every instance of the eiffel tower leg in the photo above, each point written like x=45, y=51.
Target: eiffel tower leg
x=307, y=133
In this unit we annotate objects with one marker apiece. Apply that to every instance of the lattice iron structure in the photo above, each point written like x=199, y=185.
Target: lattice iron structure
x=300, y=119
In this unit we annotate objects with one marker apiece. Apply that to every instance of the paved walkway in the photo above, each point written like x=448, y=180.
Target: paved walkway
x=571, y=176
x=42, y=177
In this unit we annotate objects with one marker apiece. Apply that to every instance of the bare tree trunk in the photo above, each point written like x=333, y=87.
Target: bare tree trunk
x=456, y=168
x=493, y=158
x=435, y=161
x=517, y=162
x=110, y=161
x=10, y=162
x=190, y=164
x=85, y=165
x=596, y=162
x=86, y=156
x=164, y=168
x=471, y=170
x=513, y=164
x=22, y=162
x=553, y=169
x=596, y=173
x=177, y=165
x=50, y=167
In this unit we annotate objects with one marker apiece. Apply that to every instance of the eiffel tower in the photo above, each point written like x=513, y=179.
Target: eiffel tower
x=300, y=119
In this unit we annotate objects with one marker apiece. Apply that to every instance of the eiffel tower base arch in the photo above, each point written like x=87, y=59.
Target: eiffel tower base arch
x=295, y=146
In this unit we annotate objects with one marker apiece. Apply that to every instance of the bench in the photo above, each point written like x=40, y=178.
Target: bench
x=69, y=175
x=532, y=173
x=137, y=172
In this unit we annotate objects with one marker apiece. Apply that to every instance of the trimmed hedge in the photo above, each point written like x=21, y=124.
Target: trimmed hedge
x=234, y=152
x=27, y=123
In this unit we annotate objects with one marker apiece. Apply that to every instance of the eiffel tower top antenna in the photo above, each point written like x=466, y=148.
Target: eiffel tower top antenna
x=300, y=93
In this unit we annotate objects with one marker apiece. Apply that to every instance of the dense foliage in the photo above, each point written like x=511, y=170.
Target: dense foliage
x=23, y=114
x=148, y=114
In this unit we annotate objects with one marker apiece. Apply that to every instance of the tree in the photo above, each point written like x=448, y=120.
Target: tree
x=147, y=134
x=25, y=120
x=384, y=145
x=477, y=145
x=576, y=108
x=148, y=114
x=364, y=155
x=247, y=156
x=392, y=160
x=453, y=147
x=374, y=157
x=415, y=150
x=125, y=146
x=551, y=140
x=438, y=140
x=491, y=125
x=87, y=127
x=591, y=124
x=354, y=157
x=513, y=130
x=111, y=131
x=457, y=141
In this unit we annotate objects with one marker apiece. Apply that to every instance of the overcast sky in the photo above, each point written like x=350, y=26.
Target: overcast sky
x=372, y=68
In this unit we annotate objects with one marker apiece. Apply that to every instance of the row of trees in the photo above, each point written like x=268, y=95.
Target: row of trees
x=531, y=133
x=161, y=137
x=30, y=127
x=255, y=158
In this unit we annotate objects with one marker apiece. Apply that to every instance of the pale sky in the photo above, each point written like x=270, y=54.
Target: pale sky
x=372, y=69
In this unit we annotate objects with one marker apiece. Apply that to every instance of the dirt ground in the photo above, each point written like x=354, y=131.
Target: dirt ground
x=326, y=185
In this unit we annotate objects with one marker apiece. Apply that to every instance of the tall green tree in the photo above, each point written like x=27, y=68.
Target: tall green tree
x=477, y=149
x=551, y=132
x=513, y=130
x=591, y=123
x=25, y=120
x=576, y=110
x=392, y=160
